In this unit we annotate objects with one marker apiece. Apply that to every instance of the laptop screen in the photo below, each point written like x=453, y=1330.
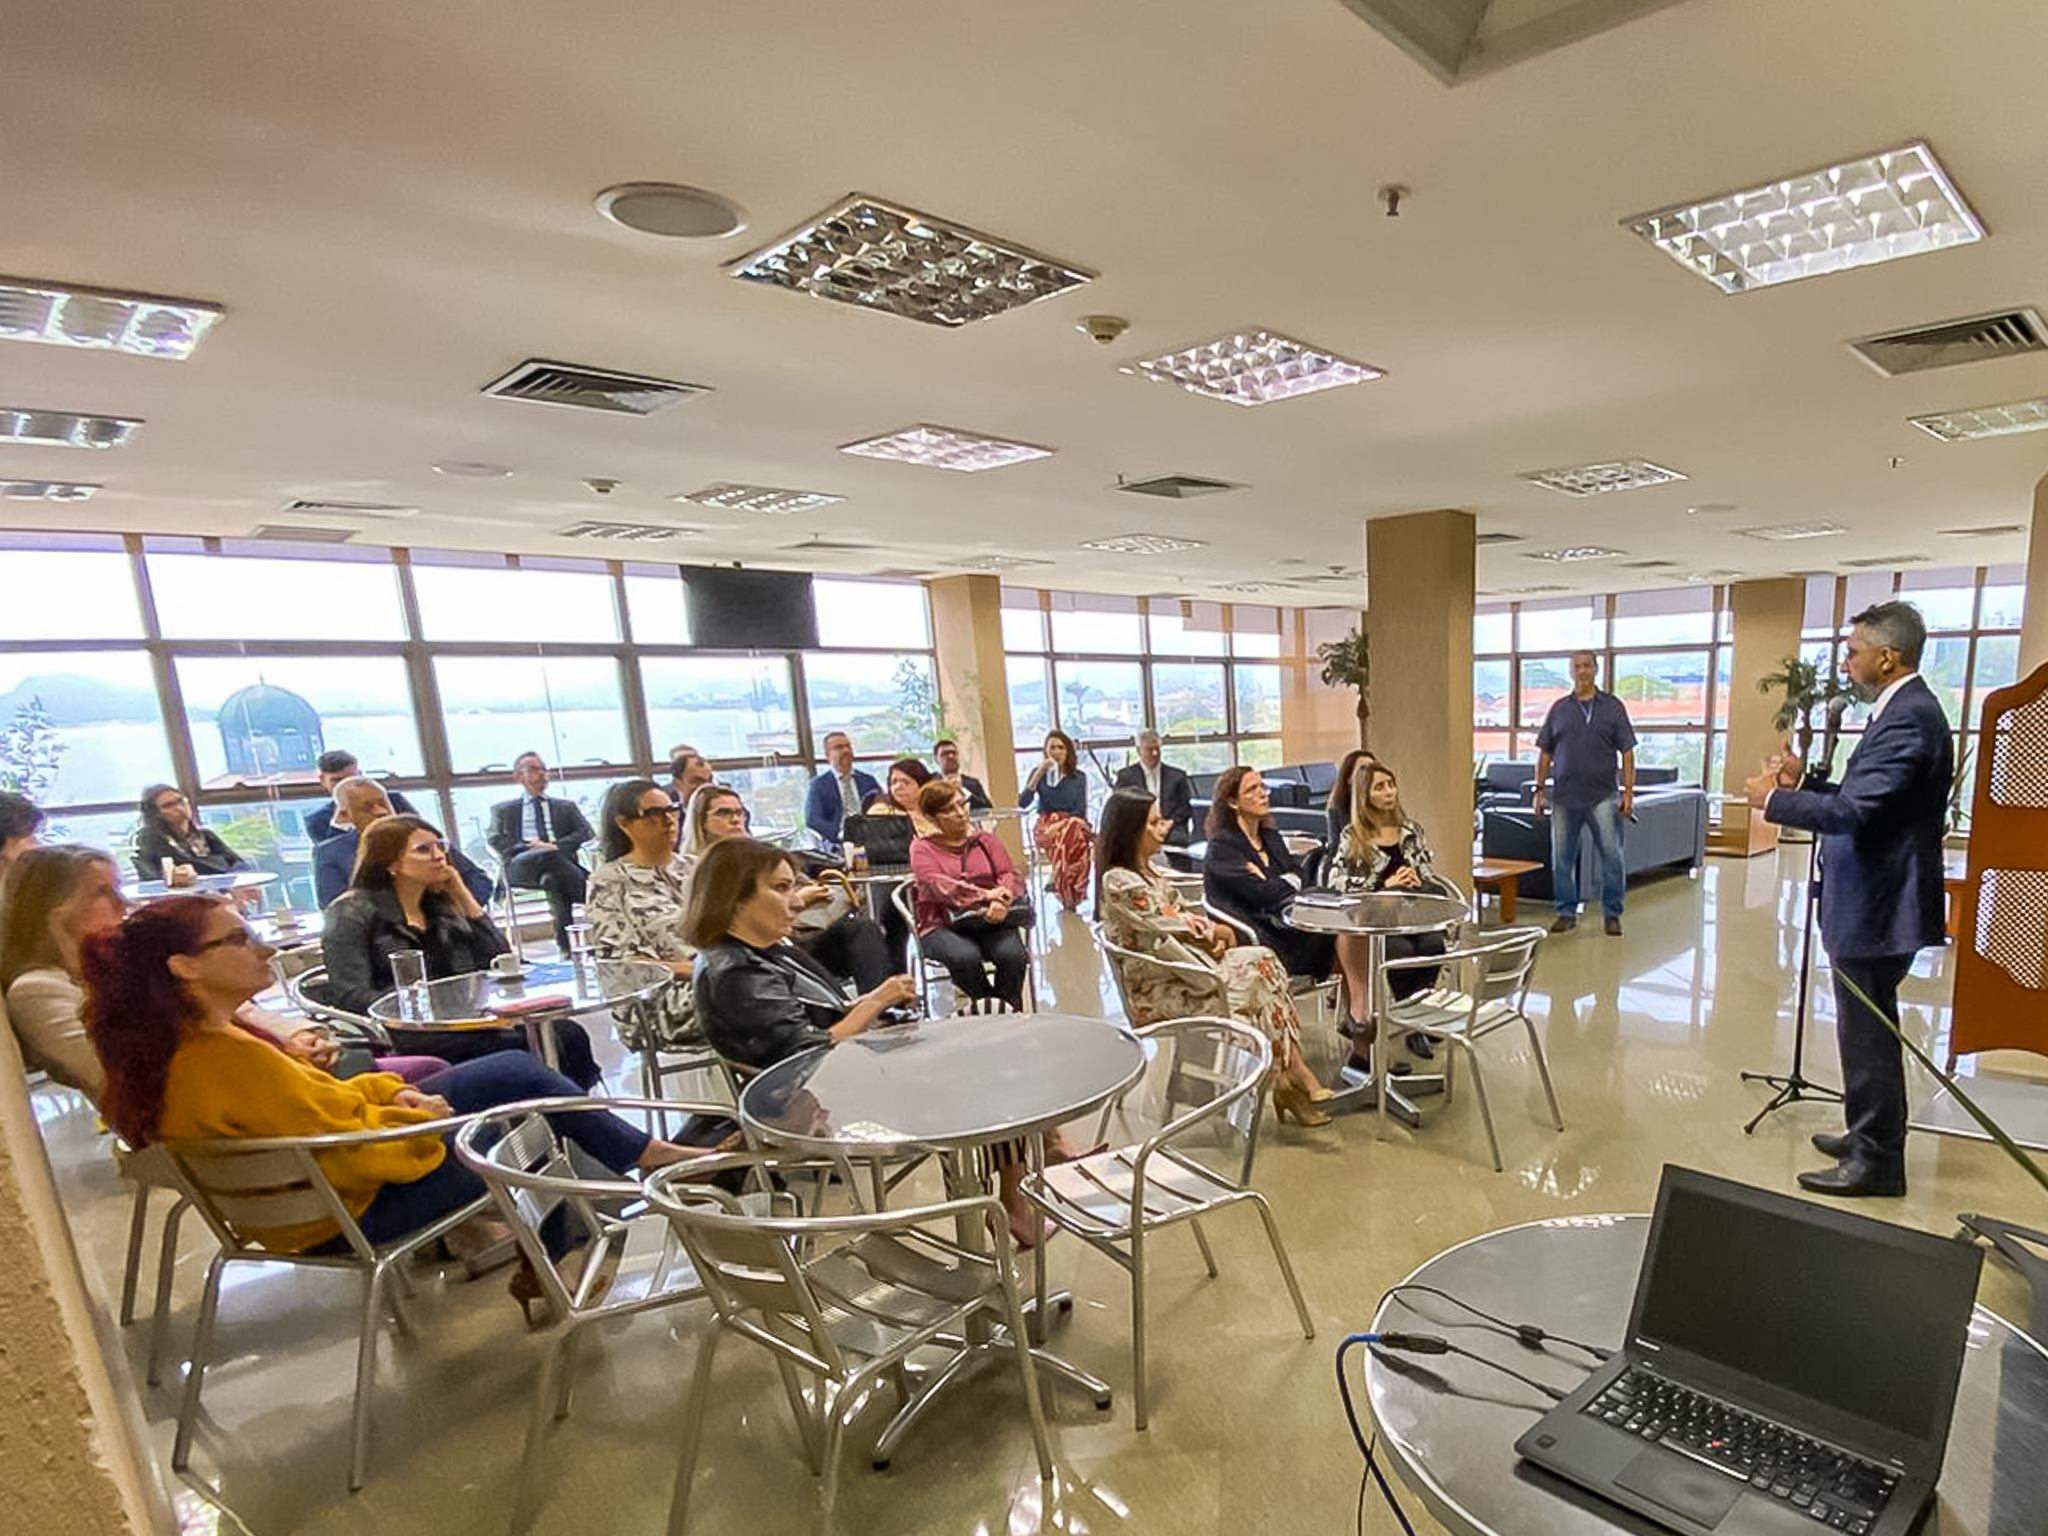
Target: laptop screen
x=1857, y=1314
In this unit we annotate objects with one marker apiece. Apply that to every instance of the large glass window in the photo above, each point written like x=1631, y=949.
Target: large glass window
x=1489, y=693
x=68, y=594
x=1672, y=617
x=566, y=708
x=1100, y=699
x=774, y=796
x=883, y=615
x=1663, y=688
x=1188, y=629
x=260, y=717
x=270, y=835
x=1493, y=631
x=1023, y=621
x=887, y=704
x=1254, y=631
x=724, y=706
x=1545, y=680
x=237, y=597
x=80, y=727
x=1945, y=665
x=1085, y=623
x=473, y=803
x=1188, y=699
x=1575, y=624
x=466, y=602
x=1258, y=699
x=657, y=605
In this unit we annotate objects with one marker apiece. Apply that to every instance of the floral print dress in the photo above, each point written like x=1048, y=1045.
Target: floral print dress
x=636, y=912
x=1141, y=912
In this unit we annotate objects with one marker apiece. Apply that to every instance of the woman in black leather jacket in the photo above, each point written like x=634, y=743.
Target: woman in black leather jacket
x=759, y=997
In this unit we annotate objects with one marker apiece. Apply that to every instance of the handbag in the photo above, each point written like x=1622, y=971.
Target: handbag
x=886, y=838
x=816, y=919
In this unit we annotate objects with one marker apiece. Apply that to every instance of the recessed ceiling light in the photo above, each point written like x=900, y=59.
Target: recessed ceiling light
x=946, y=448
x=627, y=533
x=1253, y=367
x=992, y=563
x=1710, y=578
x=1525, y=591
x=1572, y=553
x=65, y=315
x=1986, y=421
x=63, y=429
x=1880, y=207
x=876, y=255
x=773, y=500
x=1143, y=544
x=45, y=490
x=1782, y=532
x=1599, y=479
x=1248, y=586
x=471, y=469
x=1885, y=562
x=671, y=210
x=1710, y=509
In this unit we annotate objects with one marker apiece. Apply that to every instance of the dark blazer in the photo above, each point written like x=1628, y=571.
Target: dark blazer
x=977, y=796
x=1176, y=798
x=823, y=813
x=334, y=864
x=320, y=823
x=1880, y=831
x=211, y=857
x=364, y=927
x=1233, y=883
x=570, y=827
x=759, y=1006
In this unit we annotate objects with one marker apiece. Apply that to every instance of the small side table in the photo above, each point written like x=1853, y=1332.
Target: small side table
x=1499, y=876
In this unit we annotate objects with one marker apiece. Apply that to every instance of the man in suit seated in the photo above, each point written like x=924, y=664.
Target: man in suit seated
x=1881, y=895
x=335, y=768
x=537, y=836
x=357, y=803
x=687, y=773
x=839, y=792
x=1164, y=783
x=946, y=753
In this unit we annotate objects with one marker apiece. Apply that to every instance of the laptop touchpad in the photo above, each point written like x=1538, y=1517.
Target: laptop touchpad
x=1682, y=1485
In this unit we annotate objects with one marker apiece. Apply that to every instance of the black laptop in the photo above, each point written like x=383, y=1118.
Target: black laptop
x=1789, y=1369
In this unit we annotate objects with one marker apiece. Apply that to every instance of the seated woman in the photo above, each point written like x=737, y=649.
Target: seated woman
x=407, y=895
x=1140, y=911
x=1337, y=809
x=1382, y=850
x=635, y=906
x=20, y=820
x=1249, y=873
x=171, y=830
x=968, y=898
x=63, y=895
x=165, y=987
x=907, y=779
x=831, y=928
x=1060, y=790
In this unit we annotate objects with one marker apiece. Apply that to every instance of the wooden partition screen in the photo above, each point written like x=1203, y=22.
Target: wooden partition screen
x=2001, y=921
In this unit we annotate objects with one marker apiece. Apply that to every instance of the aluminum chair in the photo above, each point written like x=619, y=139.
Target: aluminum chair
x=1326, y=992
x=245, y=1186
x=1204, y=982
x=150, y=1170
x=1115, y=1200
x=845, y=1301
x=925, y=970
x=1483, y=986
x=304, y=989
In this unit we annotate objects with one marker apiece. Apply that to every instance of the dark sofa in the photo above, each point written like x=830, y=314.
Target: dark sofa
x=1669, y=832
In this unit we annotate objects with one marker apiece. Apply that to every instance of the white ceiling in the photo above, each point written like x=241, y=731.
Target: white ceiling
x=393, y=202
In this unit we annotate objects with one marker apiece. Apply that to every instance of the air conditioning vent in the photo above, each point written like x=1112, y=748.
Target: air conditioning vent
x=1647, y=565
x=591, y=389
x=287, y=534
x=1974, y=339
x=893, y=574
x=1885, y=562
x=627, y=533
x=1176, y=487
x=1498, y=538
x=377, y=509
x=1994, y=531
x=818, y=546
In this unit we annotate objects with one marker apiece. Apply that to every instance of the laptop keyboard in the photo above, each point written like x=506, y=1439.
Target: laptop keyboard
x=1836, y=1491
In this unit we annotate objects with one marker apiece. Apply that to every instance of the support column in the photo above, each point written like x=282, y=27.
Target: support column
x=2034, y=623
x=1768, y=617
x=1419, y=571
x=967, y=639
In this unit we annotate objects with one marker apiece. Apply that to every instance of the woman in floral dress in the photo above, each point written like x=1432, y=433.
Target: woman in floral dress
x=1060, y=790
x=1140, y=911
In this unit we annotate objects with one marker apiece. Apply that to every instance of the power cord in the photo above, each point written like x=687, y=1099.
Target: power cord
x=1366, y=1447
x=1528, y=1334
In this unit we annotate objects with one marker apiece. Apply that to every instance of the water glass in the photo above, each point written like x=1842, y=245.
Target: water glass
x=409, y=976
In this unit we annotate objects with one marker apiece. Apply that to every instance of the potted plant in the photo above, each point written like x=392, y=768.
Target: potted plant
x=1347, y=664
x=1807, y=688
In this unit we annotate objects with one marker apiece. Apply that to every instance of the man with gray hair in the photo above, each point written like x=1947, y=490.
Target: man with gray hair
x=358, y=802
x=1164, y=783
x=1588, y=736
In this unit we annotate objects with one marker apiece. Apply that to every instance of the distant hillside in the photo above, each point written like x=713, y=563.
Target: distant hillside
x=75, y=700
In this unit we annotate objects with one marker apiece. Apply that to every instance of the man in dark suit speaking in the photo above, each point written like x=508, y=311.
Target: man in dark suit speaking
x=1880, y=872
x=1164, y=783
x=537, y=836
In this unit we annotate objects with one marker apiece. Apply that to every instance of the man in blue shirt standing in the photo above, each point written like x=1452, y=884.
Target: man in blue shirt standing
x=1588, y=737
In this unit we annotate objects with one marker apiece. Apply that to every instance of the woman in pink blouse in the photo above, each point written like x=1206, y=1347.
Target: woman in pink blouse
x=968, y=899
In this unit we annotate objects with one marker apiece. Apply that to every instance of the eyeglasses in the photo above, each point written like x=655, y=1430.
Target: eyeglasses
x=649, y=812
x=728, y=812
x=241, y=938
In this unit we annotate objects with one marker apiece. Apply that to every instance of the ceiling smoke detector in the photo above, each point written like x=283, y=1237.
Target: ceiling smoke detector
x=671, y=210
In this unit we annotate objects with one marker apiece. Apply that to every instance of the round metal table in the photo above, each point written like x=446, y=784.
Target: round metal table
x=1379, y=916
x=466, y=1001
x=232, y=883
x=1449, y=1424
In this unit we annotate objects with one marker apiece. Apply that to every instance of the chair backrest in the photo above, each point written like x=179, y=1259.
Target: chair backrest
x=1237, y=925
x=1125, y=962
x=900, y=897
x=1204, y=1083
x=984, y=1007
x=305, y=989
x=243, y=1190
x=1510, y=964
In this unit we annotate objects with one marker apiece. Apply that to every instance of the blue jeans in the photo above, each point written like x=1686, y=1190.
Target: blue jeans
x=1568, y=824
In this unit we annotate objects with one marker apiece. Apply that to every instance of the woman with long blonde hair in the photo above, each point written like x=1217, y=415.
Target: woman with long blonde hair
x=1383, y=849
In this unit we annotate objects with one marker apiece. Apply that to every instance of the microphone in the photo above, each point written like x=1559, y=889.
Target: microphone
x=1838, y=706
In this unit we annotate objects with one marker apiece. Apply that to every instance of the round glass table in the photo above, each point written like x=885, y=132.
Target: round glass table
x=538, y=995
x=234, y=883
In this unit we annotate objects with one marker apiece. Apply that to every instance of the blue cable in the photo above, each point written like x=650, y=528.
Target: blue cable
x=1360, y=1341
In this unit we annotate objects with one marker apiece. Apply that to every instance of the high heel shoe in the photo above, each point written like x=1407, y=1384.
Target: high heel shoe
x=1290, y=1102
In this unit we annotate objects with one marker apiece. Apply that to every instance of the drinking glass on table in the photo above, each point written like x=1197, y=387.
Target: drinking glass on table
x=409, y=976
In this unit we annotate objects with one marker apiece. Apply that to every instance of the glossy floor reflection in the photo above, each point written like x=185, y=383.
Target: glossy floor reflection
x=1646, y=1036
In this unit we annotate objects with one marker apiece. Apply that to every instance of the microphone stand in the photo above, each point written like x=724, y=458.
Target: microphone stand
x=1795, y=1086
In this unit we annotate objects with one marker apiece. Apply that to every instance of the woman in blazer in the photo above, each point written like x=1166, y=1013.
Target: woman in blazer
x=171, y=830
x=1250, y=875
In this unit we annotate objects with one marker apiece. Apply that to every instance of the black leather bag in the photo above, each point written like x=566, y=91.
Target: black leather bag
x=886, y=838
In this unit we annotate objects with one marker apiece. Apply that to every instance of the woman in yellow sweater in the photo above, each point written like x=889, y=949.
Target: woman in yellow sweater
x=163, y=989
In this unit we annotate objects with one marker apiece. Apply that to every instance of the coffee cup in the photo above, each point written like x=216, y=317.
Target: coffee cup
x=505, y=965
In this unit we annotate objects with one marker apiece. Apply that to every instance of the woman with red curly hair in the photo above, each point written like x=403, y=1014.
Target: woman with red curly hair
x=164, y=987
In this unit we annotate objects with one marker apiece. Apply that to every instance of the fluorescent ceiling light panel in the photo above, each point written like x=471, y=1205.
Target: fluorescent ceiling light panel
x=770, y=499
x=1573, y=553
x=627, y=533
x=45, y=490
x=1880, y=207
x=1599, y=479
x=1253, y=367
x=1144, y=544
x=64, y=315
x=876, y=255
x=1782, y=532
x=946, y=448
x=1986, y=421
x=1711, y=578
x=64, y=429
x=992, y=563
x=1249, y=586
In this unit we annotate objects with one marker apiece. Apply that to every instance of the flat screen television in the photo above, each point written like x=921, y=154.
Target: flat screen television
x=731, y=609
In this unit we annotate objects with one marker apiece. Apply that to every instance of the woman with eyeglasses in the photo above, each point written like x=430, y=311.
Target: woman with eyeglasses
x=171, y=830
x=636, y=904
x=406, y=895
x=1250, y=876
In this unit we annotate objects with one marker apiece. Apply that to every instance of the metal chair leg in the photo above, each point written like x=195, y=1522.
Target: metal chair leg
x=366, y=1375
x=1543, y=1071
x=1485, y=1112
x=202, y=1347
x=1308, y=1327
x=131, y=1271
x=693, y=1431
x=1202, y=1242
x=1140, y=1397
x=166, y=1266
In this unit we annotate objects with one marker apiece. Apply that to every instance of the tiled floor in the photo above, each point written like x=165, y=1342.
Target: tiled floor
x=1646, y=1034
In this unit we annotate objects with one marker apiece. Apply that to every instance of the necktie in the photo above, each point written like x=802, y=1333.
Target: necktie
x=540, y=818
